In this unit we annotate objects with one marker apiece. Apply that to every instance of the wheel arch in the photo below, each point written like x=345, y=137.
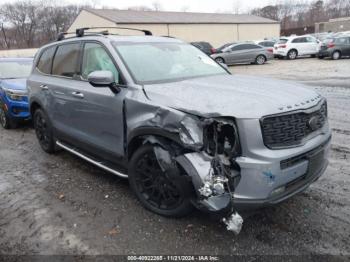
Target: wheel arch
x=151, y=135
x=34, y=105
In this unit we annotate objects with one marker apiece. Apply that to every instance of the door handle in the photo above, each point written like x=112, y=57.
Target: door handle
x=44, y=87
x=78, y=94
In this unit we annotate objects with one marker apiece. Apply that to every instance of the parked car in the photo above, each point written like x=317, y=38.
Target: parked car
x=243, y=53
x=14, y=106
x=268, y=44
x=335, y=48
x=205, y=47
x=221, y=48
x=178, y=125
x=294, y=46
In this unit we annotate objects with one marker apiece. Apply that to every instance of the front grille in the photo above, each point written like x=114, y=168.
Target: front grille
x=290, y=129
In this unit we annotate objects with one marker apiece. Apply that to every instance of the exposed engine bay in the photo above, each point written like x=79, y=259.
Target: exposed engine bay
x=210, y=163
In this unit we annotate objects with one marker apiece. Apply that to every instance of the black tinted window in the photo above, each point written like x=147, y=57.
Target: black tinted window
x=249, y=46
x=343, y=40
x=269, y=44
x=65, y=61
x=45, y=61
x=297, y=40
x=237, y=48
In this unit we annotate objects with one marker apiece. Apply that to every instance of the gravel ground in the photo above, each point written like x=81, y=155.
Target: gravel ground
x=59, y=204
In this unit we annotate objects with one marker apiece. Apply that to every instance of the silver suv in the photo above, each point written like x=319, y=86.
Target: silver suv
x=178, y=125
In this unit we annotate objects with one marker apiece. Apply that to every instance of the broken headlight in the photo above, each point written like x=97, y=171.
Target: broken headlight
x=191, y=132
x=221, y=138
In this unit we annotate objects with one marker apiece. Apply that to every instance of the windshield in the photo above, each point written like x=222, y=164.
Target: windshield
x=151, y=63
x=15, y=69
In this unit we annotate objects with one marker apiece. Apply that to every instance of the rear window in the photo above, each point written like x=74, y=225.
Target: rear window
x=66, y=59
x=282, y=41
x=45, y=61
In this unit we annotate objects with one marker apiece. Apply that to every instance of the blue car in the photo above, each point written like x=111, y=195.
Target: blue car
x=14, y=106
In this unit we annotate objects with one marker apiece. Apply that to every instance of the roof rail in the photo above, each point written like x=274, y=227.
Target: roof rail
x=80, y=32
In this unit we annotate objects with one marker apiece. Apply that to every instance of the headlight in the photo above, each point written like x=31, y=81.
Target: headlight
x=16, y=95
x=221, y=138
x=191, y=132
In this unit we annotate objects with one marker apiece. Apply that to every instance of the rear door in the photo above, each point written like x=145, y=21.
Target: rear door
x=347, y=47
x=238, y=53
x=343, y=45
x=64, y=79
x=312, y=45
x=300, y=45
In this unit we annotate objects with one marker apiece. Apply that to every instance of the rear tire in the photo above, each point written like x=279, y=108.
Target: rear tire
x=44, y=131
x=336, y=55
x=220, y=60
x=320, y=57
x=292, y=54
x=313, y=56
x=159, y=192
x=260, y=60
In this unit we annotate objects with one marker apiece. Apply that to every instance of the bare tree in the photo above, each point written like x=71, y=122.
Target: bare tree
x=156, y=5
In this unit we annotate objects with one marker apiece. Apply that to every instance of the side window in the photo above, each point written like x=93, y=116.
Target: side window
x=297, y=40
x=45, y=61
x=342, y=41
x=95, y=58
x=252, y=47
x=65, y=61
x=311, y=40
x=237, y=47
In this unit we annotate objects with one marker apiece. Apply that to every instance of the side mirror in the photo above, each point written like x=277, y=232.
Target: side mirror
x=101, y=78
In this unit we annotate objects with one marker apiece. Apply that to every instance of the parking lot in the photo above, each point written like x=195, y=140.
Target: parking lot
x=59, y=204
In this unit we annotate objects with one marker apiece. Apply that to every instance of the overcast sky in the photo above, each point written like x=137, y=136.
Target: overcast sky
x=176, y=5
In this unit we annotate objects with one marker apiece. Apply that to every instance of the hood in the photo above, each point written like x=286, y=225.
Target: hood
x=16, y=84
x=233, y=95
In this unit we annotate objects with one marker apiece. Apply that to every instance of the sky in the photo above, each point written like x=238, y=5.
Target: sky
x=208, y=6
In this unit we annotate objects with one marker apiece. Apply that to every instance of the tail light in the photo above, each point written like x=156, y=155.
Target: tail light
x=270, y=50
x=213, y=50
x=330, y=45
x=282, y=46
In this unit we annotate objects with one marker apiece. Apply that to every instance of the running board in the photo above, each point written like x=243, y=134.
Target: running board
x=90, y=160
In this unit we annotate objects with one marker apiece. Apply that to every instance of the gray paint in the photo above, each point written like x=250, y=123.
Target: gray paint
x=110, y=122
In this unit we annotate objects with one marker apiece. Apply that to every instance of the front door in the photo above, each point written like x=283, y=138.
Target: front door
x=98, y=112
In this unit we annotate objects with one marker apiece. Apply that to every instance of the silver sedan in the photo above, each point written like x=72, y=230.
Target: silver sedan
x=243, y=53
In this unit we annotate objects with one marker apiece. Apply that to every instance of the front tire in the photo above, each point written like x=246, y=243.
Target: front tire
x=159, y=191
x=292, y=54
x=44, y=131
x=336, y=55
x=5, y=121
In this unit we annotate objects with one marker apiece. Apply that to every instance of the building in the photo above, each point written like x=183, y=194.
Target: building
x=333, y=25
x=215, y=28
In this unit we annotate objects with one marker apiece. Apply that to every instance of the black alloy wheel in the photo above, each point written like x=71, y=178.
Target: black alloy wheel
x=159, y=191
x=43, y=131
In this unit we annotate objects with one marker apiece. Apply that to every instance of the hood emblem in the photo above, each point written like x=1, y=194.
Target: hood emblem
x=313, y=123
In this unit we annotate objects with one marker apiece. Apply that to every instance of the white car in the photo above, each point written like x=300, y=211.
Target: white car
x=294, y=46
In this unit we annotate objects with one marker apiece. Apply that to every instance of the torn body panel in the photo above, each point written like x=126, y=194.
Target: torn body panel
x=204, y=148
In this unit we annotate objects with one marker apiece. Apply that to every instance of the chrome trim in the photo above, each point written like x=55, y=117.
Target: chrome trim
x=100, y=165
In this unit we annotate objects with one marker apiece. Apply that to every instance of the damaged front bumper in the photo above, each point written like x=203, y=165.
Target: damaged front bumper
x=265, y=177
